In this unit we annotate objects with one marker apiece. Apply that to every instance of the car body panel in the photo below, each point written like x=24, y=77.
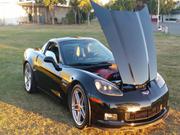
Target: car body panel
x=120, y=105
x=130, y=38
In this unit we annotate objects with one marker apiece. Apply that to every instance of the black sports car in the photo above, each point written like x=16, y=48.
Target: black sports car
x=116, y=88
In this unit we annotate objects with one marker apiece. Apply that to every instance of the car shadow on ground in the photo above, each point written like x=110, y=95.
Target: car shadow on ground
x=56, y=111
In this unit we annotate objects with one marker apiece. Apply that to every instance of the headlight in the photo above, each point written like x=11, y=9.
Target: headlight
x=107, y=88
x=159, y=80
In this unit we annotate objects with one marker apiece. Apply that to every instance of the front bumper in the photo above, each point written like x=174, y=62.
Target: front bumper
x=162, y=115
x=153, y=107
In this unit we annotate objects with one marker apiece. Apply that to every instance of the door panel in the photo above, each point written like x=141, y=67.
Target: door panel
x=48, y=77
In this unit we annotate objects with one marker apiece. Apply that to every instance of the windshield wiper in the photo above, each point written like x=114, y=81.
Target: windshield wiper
x=92, y=64
x=81, y=64
x=103, y=63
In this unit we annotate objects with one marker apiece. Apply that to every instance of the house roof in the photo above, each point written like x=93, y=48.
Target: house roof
x=33, y=3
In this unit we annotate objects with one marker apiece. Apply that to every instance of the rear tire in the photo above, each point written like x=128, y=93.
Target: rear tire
x=29, y=81
x=78, y=105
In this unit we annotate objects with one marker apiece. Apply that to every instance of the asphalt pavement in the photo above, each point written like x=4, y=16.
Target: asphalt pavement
x=172, y=27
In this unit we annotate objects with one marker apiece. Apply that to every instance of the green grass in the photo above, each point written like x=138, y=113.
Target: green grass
x=21, y=113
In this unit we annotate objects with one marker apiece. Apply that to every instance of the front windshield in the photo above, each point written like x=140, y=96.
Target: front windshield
x=84, y=51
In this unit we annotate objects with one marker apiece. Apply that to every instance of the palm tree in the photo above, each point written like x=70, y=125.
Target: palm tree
x=75, y=8
x=85, y=5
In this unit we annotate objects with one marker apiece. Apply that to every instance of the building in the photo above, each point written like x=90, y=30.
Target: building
x=38, y=13
x=10, y=12
x=14, y=12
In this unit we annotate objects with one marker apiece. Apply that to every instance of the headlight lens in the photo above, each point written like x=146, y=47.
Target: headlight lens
x=159, y=80
x=107, y=88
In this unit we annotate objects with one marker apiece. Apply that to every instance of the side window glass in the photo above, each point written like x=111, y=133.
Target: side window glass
x=52, y=51
x=43, y=48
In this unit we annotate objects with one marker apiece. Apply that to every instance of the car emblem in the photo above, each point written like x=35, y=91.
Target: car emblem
x=145, y=92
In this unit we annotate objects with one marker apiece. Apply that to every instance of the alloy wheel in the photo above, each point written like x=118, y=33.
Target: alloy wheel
x=27, y=77
x=78, y=106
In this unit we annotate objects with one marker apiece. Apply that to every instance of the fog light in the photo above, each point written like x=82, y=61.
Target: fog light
x=108, y=116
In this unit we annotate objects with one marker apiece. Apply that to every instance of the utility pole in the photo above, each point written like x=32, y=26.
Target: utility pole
x=158, y=13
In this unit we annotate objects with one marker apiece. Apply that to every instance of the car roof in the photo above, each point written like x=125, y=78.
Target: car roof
x=70, y=38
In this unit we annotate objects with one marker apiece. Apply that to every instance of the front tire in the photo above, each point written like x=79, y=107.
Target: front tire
x=29, y=82
x=78, y=104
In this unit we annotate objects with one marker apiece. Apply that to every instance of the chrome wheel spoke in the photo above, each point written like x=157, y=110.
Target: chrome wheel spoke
x=27, y=83
x=79, y=116
x=27, y=78
x=75, y=109
x=77, y=97
x=74, y=105
x=83, y=113
x=82, y=100
x=26, y=73
x=78, y=108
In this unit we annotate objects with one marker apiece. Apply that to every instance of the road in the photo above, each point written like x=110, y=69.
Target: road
x=173, y=28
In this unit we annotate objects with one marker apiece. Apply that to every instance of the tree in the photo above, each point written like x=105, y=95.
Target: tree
x=85, y=5
x=166, y=6
x=75, y=8
x=140, y=4
x=123, y=5
x=51, y=4
x=126, y=4
x=152, y=6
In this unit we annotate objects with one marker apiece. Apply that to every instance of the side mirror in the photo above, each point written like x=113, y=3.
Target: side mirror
x=49, y=59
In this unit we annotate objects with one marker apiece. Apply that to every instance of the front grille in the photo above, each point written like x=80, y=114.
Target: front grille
x=144, y=114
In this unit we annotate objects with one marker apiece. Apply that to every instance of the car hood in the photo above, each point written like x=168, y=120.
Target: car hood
x=130, y=37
